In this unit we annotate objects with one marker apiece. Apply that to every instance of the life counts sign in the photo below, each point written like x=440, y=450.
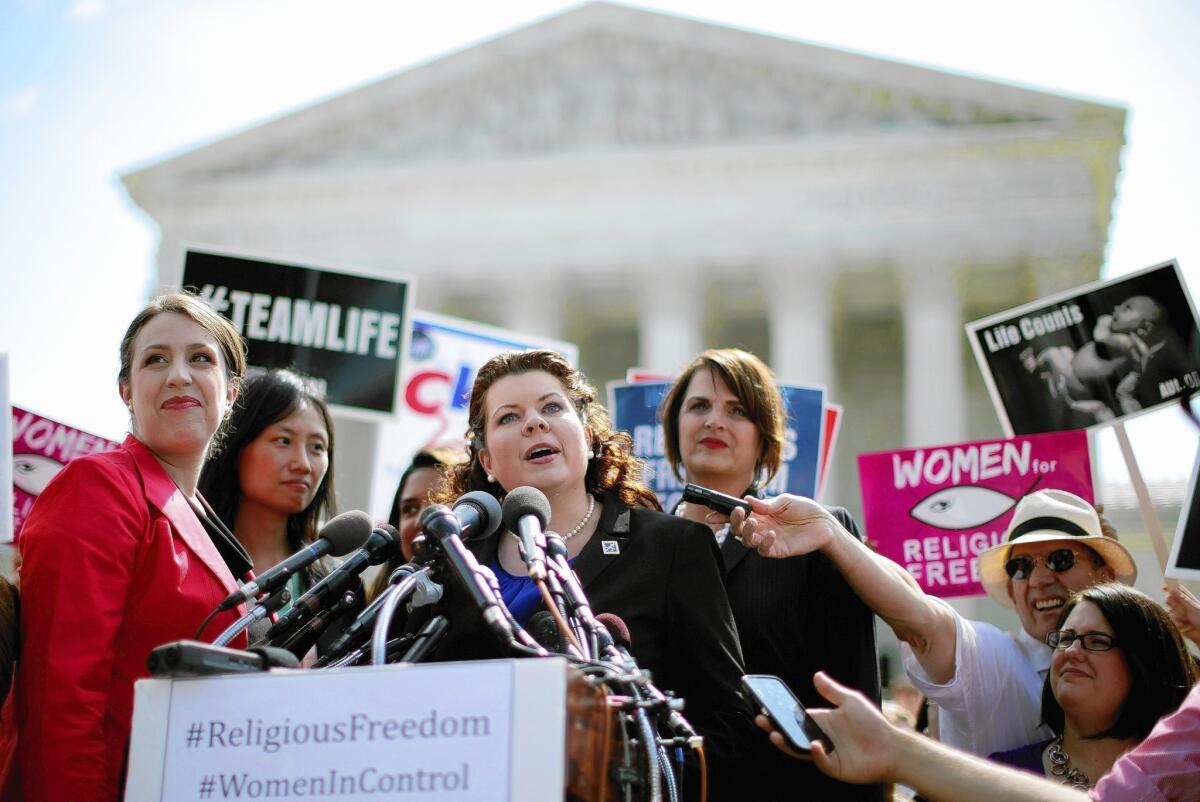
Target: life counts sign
x=1092, y=354
x=933, y=510
x=345, y=329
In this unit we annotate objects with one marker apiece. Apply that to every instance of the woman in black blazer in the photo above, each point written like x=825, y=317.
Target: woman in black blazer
x=534, y=421
x=723, y=425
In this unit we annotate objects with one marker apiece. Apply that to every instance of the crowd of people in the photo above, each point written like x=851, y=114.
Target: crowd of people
x=225, y=472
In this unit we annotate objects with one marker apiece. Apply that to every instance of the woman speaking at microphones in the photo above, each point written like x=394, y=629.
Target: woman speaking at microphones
x=723, y=425
x=534, y=421
x=120, y=554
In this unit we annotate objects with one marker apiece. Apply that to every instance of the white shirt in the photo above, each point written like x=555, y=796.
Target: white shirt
x=994, y=700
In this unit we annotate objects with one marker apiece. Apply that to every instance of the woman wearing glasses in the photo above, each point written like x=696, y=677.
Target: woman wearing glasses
x=1119, y=665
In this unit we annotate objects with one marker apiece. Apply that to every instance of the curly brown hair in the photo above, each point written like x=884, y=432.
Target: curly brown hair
x=752, y=382
x=614, y=468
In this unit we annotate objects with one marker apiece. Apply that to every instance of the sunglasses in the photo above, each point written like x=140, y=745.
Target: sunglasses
x=1092, y=641
x=1057, y=561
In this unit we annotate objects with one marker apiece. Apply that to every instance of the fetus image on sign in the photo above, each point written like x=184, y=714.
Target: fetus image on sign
x=962, y=507
x=32, y=472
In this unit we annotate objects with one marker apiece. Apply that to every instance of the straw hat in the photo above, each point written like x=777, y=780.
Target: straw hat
x=1052, y=515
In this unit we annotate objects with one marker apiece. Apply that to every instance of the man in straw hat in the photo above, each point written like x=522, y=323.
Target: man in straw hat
x=987, y=682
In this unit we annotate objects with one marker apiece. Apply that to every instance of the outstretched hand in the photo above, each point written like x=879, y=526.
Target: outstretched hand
x=785, y=526
x=865, y=745
x=1184, y=608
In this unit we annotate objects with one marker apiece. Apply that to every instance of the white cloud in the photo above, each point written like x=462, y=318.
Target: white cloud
x=85, y=9
x=19, y=103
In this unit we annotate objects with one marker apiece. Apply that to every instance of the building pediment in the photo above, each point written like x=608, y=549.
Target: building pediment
x=602, y=78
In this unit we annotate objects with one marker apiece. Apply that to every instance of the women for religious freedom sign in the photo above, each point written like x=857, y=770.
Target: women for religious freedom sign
x=1091, y=355
x=934, y=510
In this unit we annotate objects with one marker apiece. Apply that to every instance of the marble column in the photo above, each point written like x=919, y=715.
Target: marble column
x=536, y=310
x=670, y=317
x=935, y=406
x=800, y=308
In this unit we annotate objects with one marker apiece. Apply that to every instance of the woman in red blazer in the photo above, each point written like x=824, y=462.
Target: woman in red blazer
x=118, y=557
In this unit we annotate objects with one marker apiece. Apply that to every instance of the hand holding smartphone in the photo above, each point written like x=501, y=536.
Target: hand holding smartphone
x=722, y=503
x=784, y=710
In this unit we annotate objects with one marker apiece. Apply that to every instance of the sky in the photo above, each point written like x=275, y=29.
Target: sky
x=93, y=89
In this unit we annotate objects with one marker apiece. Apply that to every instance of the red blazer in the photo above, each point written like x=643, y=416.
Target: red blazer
x=114, y=563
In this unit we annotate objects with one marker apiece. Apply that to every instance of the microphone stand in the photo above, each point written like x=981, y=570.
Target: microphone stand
x=271, y=604
x=388, y=603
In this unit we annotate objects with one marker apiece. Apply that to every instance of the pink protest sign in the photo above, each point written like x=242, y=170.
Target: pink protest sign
x=40, y=448
x=934, y=510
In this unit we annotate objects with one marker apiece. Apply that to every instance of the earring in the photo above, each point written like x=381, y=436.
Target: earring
x=591, y=453
x=491, y=479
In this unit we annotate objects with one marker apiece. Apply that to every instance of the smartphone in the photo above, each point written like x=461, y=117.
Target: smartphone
x=695, y=494
x=776, y=699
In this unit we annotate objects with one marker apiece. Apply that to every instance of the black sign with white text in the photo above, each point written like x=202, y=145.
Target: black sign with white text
x=344, y=329
x=1091, y=355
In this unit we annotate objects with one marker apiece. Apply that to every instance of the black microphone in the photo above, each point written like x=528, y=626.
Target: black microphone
x=342, y=535
x=478, y=514
x=544, y=629
x=526, y=513
x=620, y=646
x=360, y=629
x=445, y=526
x=381, y=545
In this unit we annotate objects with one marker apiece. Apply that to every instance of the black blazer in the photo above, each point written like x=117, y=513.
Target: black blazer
x=795, y=617
x=661, y=574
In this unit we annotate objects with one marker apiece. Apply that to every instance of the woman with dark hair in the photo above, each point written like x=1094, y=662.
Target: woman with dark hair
x=534, y=421
x=723, y=428
x=1119, y=665
x=417, y=483
x=120, y=554
x=273, y=478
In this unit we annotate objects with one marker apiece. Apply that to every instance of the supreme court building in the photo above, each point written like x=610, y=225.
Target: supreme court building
x=646, y=185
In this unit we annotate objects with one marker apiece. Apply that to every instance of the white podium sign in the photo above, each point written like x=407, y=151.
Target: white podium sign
x=487, y=730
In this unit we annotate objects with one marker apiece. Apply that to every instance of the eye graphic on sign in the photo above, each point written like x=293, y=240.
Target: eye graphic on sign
x=962, y=507
x=32, y=472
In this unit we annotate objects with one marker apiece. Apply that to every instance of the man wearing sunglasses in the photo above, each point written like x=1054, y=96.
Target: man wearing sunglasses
x=986, y=682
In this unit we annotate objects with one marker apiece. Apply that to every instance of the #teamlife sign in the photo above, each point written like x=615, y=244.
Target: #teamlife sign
x=40, y=448
x=634, y=409
x=345, y=328
x=934, y=510
x=1091, y=355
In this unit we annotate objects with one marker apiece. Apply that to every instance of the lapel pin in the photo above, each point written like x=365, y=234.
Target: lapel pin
x=610, y=546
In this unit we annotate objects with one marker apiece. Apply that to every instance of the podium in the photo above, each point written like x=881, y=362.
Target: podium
x=483, y=730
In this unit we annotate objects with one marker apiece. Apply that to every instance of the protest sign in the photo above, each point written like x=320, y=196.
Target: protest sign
x=1091, y=355
x=1184, y=562
x=40, y=448
x=7, y=530
x=444, y=355
x=934, y=510
x=345, y=328
x=833, y=424
x=634, y=409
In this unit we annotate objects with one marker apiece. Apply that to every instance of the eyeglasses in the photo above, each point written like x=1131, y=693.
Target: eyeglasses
x=1057, y=561
x=1092, y=641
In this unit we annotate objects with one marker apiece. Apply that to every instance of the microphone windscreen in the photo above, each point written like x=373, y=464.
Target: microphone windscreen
x=347, y=532
x=617, y=628
x=524, y=501
x=489, y=513
x=544, y=630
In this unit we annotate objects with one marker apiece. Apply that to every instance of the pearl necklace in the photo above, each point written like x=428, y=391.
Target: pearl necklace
x=578, y=527
x=1060, y=766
